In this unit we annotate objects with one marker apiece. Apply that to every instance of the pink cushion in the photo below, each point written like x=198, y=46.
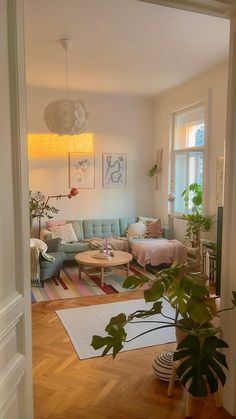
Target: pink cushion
x=154, y=229
x=55, y=223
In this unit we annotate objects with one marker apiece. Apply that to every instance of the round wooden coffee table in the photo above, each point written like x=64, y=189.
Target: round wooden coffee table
x=87, y=259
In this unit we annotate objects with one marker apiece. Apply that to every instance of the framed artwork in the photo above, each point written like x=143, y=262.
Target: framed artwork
x=114, y=168
x=219, y=180
x=81, y=170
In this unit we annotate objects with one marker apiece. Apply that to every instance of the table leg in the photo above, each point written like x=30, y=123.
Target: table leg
x=102, y=276
x=127, y=270
x=80, y=270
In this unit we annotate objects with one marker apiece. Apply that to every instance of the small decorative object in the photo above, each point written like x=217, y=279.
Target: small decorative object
x=82, y=170
x=171, y=197
x=114, y=170
x=66, y=116
x=39, y=207
x=162, y=365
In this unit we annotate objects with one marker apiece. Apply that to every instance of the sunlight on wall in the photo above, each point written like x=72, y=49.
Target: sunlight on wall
x=53, y=145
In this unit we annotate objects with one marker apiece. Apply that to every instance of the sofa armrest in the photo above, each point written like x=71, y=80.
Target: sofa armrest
x=166, y=232
x=46, y=234
x=53, y=245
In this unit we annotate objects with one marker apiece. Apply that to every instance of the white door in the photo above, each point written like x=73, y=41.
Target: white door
x=15, y=310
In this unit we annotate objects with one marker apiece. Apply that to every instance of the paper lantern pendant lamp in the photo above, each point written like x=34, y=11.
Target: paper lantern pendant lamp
x=66, y=116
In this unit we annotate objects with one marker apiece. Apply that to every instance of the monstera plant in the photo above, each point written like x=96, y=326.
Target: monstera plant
x=201, y=363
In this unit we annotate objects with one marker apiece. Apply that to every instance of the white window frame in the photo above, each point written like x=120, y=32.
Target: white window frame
x=204, y=101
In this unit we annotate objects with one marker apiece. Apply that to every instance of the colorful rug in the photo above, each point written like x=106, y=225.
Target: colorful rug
x=69, y=285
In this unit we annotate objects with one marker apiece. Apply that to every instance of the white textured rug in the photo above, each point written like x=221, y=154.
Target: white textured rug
x=83, y=322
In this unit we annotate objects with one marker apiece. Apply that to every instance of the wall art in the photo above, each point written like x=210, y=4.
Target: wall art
x=114, y=170
x=81, y=170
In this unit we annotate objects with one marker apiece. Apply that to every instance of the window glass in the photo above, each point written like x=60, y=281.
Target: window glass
x=189, y=128
x=188, y=153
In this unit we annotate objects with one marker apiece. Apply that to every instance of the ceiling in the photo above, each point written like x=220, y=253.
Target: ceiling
x=222, y=8
x=120, y=46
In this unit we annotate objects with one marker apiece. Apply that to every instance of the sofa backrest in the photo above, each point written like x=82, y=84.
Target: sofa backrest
x=101, y=228
x=124, y=224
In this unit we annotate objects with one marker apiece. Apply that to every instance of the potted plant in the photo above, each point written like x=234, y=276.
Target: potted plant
x=201, y=362
x=153, y=171
x=196, y=222
x=39, y=207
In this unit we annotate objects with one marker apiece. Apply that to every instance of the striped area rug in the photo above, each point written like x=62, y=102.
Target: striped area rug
x=69, y=286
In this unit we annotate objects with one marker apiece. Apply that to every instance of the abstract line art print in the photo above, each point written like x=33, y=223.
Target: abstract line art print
x=114, y=170
x=81, y=170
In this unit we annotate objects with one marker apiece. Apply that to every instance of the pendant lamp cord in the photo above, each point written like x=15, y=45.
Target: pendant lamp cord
x=66, y=75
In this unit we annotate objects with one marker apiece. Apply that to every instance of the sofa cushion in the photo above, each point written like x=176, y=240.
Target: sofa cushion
x=75, y=247
x=101, y=228
x=132, y=241
x=78, y=227
x=144, y=219
x=124, y=224
x=154, y=229
x=137, y=230
x=54, y=223
x=65, y=232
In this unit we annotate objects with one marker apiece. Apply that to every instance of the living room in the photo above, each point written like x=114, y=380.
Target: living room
x=130, y=117
x=124, y=118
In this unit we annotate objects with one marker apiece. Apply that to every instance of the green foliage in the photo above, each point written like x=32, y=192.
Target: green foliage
x=151, y=172
x=193, y=193
x=39, y=207
x=196, y=222
x=201, y=364
x=135, y=281
x=116, y=336
x=194, y=310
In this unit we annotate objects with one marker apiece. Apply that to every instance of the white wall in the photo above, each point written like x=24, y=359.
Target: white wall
x=122, y=124
x=181, y=96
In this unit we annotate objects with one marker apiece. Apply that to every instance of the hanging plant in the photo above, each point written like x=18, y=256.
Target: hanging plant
x=153, y=171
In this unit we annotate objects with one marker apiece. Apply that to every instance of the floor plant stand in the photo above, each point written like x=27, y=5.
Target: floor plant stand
x=188, y=396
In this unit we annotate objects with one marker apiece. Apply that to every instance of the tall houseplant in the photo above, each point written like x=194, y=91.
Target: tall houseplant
x=201, y=362
x=196, y=222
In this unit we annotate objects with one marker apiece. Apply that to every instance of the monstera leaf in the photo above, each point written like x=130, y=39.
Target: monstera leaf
x=116, y=336
x=156, y=309
x=201, y=364
x=135, y=281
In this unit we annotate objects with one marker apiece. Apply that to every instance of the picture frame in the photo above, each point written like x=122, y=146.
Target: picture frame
x=114, y=170
x=82, y=170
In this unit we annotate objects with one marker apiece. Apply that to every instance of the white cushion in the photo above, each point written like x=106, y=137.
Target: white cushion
x=144, y=219
x=65, y=232
x=136, y=231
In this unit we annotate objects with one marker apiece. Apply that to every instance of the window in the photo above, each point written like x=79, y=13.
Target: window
x=187, y=152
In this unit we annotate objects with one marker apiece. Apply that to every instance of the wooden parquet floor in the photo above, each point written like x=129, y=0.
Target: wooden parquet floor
x=100, y=388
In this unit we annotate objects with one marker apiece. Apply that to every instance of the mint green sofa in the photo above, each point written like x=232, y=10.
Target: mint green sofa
x=87, y=229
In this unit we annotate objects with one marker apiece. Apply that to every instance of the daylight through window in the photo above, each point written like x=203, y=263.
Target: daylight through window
x=187, y=152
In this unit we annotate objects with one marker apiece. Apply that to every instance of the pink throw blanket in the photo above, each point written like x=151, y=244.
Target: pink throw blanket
x=155, y=252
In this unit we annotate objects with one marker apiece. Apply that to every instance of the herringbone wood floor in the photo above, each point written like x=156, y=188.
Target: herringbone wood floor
x=100, y=388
